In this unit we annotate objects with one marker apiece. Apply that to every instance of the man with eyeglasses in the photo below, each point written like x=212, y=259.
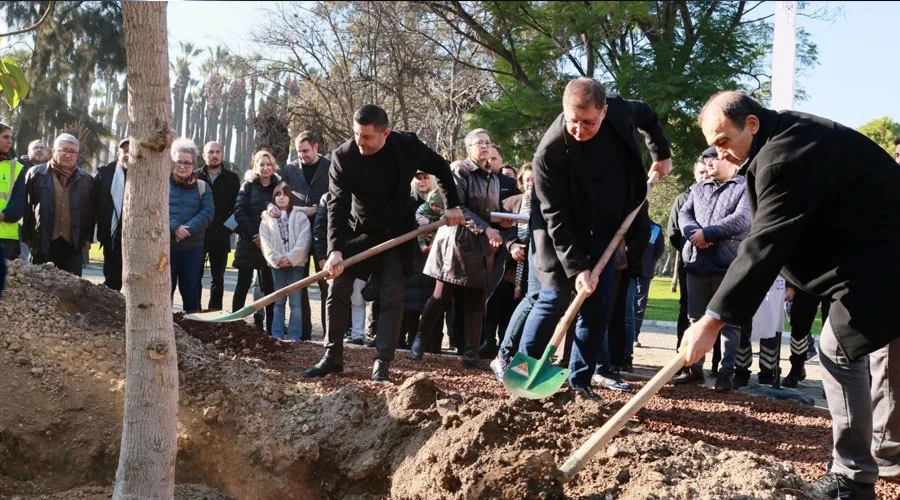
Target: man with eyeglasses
x=588, y=175
x=59, y=218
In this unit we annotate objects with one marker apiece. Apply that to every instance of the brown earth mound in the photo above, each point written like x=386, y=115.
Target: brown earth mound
x=250, y=426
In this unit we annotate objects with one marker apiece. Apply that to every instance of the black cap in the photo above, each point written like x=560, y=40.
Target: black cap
x=123, y=142
x=710, y=151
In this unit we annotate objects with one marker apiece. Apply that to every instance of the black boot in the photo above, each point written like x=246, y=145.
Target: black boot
x=328, y=364
x=417, y=350
x=471, y=359
x=798, y=371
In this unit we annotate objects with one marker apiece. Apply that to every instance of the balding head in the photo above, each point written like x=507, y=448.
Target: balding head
x=729, y=121
x=583, y=93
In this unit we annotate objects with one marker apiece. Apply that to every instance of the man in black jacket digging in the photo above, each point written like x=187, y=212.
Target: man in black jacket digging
x=808, y=179
x=369, y=184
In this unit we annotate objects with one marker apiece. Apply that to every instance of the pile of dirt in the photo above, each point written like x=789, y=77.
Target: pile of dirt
x=251, y=426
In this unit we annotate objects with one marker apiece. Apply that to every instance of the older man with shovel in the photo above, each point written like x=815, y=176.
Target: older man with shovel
x=810, y=180
x=588, y=175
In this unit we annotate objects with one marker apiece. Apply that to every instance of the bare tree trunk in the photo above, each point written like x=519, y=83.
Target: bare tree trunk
x=149, y=432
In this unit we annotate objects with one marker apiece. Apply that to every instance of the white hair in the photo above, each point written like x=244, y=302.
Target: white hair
x=69, y=138
x=183, y=145
x=471, y=136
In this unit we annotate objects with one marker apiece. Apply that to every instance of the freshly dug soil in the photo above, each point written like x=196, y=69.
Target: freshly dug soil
x=252, y=427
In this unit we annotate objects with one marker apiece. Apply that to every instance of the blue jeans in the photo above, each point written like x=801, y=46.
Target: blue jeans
x=186, y=266
x=281, y=278
x=517, y=321
x=590, y=328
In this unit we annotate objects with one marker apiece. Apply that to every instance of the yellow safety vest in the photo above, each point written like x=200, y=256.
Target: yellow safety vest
x=9, y=172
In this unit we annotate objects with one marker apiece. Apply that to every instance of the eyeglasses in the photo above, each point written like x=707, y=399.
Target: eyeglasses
x=67, y=151
x=187, y=164
x=583, y=123
x=482, y=144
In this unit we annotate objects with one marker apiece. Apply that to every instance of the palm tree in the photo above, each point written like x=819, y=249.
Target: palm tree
x=182, y=68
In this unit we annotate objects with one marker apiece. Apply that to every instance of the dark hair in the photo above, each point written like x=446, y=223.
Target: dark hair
x=735, y=106
x=371, y=114
x=308, y=136
x=499, y=151
x=584, y=93
x=4, y=127
x=897, y=141
x=281, y=187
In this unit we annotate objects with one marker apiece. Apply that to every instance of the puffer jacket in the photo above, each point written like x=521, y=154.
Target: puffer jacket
x=320, y=229
x=187, y=207
x=252, y=201
x=299, y=239
x=461, y=255
x=722, y=211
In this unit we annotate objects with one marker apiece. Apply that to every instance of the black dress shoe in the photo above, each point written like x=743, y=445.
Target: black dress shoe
x=690, y=375
x=325, y=366
x=471, y=359
x=380, y=371
x=588, y=393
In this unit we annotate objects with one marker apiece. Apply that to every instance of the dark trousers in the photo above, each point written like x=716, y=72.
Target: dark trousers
x=186, y=265
x=388, y=270
x=438, y=302
x=11, y=248
x=304, y=300
x=112, y=263
x=620, y=333
x=683, y=321
x=590, y=326
x=218, y=261
x=63, y=255
x=499, y=310
x=803, y=313
x=245, y=279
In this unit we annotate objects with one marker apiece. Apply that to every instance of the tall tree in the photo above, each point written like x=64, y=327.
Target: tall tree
x=883, y=131
x=149, y=432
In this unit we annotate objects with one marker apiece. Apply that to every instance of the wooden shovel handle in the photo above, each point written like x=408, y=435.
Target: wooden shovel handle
x=612, y=426
x=563, y=326
x=319, y=276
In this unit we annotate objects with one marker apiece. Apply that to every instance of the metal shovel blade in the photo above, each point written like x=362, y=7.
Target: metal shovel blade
x=220, y=316
x=532, y=378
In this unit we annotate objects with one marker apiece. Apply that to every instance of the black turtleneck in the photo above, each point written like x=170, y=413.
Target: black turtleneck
x=310, y=170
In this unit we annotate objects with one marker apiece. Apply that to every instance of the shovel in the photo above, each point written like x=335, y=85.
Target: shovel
x=538, y=378
x=222, y=317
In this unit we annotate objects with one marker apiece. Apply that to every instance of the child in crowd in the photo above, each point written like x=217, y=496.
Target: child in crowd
x=432, y=210
x=285, y=243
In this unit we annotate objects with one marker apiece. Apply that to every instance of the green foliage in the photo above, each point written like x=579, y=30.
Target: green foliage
x=882, y=131
x=12, y=82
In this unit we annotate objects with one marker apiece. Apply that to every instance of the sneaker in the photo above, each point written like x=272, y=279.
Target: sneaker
x=725, y=381
x=611, y=381
x=840, y=487
x=889, y=468
x=499, y=366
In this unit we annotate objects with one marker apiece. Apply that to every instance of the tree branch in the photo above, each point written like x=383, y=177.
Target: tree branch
x=35, y=25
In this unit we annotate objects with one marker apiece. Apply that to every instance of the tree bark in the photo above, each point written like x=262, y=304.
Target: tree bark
x=149, y=432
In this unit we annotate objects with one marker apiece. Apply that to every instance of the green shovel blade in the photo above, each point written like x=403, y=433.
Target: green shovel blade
x=532, y=378
x=220, y=316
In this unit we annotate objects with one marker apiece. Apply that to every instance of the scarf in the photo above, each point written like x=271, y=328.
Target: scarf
x=64, y=174
x=117, y=191
x=188, y=183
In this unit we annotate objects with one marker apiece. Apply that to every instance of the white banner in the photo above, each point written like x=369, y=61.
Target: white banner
x=784, y=55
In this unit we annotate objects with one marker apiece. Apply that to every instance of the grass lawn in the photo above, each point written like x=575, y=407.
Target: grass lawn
x=96, y=255
x=663, y=304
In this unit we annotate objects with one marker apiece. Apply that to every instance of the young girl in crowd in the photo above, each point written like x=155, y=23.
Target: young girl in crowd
x=285, y=244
